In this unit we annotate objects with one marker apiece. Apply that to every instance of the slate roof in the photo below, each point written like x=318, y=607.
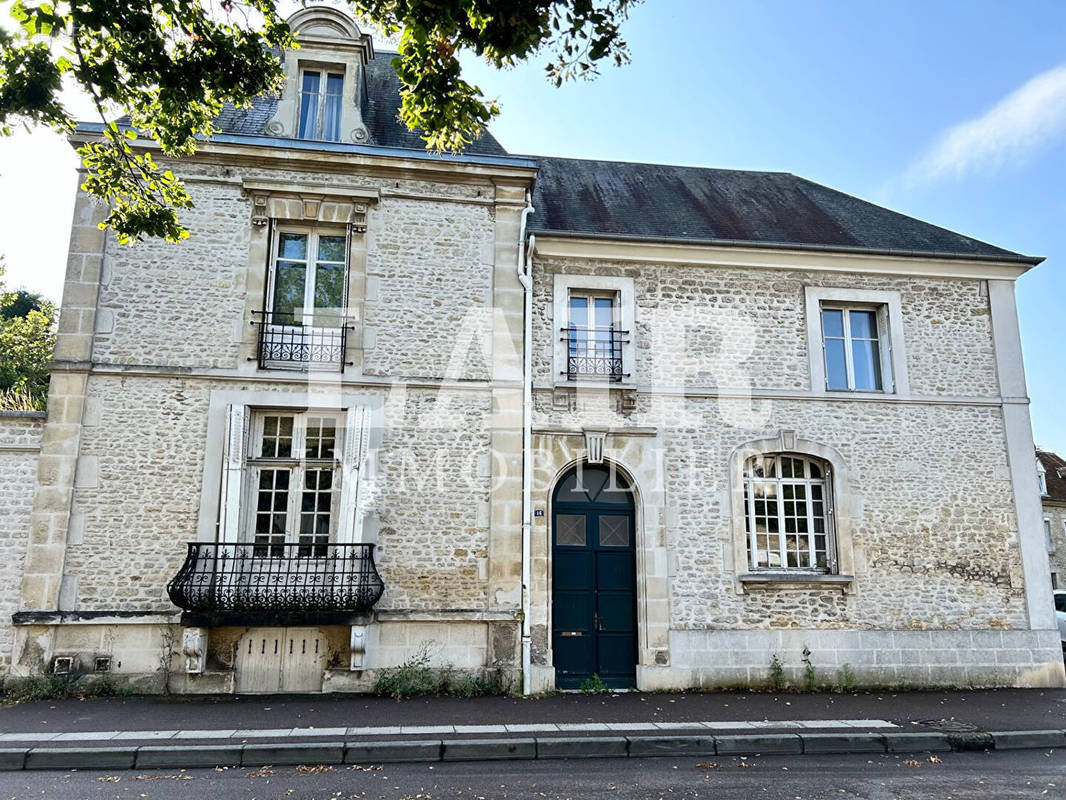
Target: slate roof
x=624, y=200
x=1054, y=474
x=380, y=105
x=657, y=201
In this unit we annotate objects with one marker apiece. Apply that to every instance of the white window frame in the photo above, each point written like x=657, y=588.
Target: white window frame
x=324, y=71
x=313, y=233
x=622, y=290
x=828, y=516
x=297, y=464
x=889, y=307
x=1041, y=477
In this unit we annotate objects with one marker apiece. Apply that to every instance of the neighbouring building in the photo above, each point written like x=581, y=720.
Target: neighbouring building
x=1051, y=477
x=542, y=418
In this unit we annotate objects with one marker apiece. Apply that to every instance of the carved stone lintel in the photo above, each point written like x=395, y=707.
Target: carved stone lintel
x=194, y=648
x=594, y=442
x=357, y=647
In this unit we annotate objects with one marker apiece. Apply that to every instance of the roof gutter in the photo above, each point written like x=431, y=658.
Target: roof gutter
x=1011, y=258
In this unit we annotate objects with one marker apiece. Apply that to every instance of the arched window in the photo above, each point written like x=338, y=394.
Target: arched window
x=788, y=509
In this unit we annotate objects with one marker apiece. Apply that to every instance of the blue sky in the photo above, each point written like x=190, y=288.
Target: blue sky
x=952, y=111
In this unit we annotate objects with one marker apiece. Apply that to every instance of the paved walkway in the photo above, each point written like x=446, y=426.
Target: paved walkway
x=189, y=732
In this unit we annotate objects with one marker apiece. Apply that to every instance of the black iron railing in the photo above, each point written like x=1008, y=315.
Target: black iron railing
x=594, y=353
x=316, y=339
x=277, y=579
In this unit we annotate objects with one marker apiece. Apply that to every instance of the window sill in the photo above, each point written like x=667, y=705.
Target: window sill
x=770, y=579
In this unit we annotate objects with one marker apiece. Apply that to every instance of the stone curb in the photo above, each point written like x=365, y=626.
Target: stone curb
x=553, y=747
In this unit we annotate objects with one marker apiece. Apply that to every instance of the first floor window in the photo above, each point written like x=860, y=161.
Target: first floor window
x=787, y=501
x=594, y=341
x=293, y=473
x=852, y=342
x=307, y=281
x=1047, y=536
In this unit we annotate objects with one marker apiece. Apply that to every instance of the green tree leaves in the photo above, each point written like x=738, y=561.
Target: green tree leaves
x=170, y=65
x=27, y=338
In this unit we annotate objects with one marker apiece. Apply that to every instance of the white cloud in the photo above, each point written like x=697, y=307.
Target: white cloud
x=1012, y=131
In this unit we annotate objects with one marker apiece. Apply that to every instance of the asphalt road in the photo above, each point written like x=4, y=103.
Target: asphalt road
x=957, y=776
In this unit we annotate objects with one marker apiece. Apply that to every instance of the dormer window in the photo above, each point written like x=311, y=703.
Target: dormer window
x=321, y=94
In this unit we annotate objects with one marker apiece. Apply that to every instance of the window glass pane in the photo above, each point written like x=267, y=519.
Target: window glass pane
x=289, y=278
x=331, y=248
x=331, y=117
x=320, y=441
x=863, y=325
x=570, y=530
x=579, y=312
x=329, y=287
x=604, y=309
x=867, y=360
x=614, y=531
x=316, y=503
x=271, y=504
x=309, y=105
x=833, y=322
x=292, y=246
x=277, y=437
x=836, y=366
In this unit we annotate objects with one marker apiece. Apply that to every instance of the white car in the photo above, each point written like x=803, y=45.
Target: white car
x=1060, y=613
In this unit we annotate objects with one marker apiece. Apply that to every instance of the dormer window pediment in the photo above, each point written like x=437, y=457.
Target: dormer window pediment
x=320, y=100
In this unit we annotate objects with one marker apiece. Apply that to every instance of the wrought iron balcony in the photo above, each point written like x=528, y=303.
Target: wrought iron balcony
x=249, y=583
x=594, y=353
x=314, y=340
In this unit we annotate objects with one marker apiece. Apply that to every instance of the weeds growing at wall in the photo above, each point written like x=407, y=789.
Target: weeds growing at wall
x=55, y=687
x=777, y=674
x=416, y=678
x=594, y=685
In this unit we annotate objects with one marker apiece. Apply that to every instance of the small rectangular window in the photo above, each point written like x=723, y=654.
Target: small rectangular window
x=852, y=343
x=1047, y=536
x=320, y=105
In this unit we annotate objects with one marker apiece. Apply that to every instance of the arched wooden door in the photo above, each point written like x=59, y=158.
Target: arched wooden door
x=594, y=579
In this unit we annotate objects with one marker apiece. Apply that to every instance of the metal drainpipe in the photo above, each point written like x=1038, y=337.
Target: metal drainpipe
x=525, y=277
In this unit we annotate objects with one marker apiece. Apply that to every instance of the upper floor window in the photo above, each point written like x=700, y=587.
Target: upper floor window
x=593, y=337
x=1047, y=536
x=294, y=482
x=851, y=340
x=321, y=94
x=855, y=340
x=788, y=511
x=1041, y=477
x=304, y=322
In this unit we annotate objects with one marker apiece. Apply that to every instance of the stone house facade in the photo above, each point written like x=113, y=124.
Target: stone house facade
x=538, y=418
x=1051, y=478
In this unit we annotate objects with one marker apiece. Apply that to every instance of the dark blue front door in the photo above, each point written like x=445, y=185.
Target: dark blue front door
x=594, y=608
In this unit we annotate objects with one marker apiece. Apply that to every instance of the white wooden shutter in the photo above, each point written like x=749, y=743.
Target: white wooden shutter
x=229, y=517
x=356, y=445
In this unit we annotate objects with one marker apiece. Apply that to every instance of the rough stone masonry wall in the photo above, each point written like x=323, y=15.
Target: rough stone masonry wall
x=428, y=264
x=20, y=437
x=1055, y=513
x=934, y=537
x=141, y=469
x=681, y=312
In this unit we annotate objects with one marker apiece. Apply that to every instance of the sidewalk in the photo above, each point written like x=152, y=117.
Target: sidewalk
x=251, y=731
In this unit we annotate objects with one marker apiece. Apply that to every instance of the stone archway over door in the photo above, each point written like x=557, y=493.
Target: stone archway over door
x=594, y=581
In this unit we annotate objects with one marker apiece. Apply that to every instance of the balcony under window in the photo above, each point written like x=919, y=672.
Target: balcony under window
x=594, y=353
x=275, y=584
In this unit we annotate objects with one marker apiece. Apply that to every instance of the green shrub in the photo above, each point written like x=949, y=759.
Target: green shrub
x=845, y=679
x=56, y=687
x=594, y=685
x=415, y=678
